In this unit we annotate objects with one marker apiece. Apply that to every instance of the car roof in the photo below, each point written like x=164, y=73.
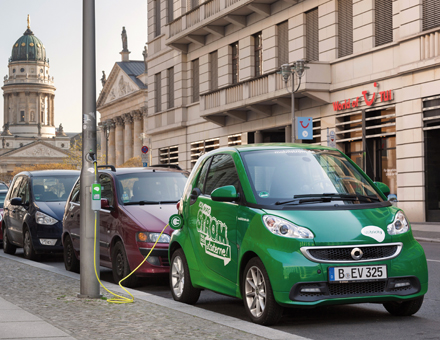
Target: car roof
x=123, y=171
x=45, y=173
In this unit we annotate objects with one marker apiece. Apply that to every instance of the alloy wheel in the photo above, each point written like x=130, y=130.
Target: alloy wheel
x=255, y=291
x=177, y=276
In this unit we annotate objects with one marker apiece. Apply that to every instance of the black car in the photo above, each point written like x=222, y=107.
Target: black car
x=33, y=211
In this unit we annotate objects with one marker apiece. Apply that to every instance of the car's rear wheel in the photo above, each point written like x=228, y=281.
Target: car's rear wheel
x=8, y=247
x=121, y=267
x=180, y=281
x=71, y=263
x=28, y=248
x=259, y=301
x=405, y=308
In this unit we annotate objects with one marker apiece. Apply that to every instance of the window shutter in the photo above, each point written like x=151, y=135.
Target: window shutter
x=312, y=35
x=157, y=28
x=235, y=63
x=195, y=82
x=383, y=15
x=345, y=27
x=158, y=92
x=258, y=54
x=283, y=43
x=214, y=71
x=431, y=14
x=171, y=87
x=170, y=10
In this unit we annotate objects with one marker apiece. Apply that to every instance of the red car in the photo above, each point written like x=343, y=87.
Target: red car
x=3, y=192
x=135, y=206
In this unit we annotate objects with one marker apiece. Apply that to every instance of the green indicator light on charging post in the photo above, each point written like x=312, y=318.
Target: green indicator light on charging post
x=96, y=192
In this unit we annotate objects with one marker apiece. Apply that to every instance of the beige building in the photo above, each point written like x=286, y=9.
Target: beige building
x=122, y=104
x=29, y=135
x=374, y=80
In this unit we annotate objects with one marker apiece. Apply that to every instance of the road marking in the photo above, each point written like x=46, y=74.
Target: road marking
x=433, y=260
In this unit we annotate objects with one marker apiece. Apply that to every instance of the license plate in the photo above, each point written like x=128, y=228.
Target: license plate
x=359, y=273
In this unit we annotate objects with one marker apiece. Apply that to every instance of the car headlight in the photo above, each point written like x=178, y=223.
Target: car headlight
x=153, y=237
x=399, y=225
x=281, y=227
x=1, y=217
x=44, y=219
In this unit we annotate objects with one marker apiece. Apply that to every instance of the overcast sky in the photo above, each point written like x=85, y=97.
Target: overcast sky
x=58, y=24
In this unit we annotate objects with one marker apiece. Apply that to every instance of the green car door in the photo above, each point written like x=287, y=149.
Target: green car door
x=214, y=232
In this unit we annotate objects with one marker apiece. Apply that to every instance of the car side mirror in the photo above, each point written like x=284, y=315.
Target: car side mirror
x=383, y=187
x=16, y=201
x=392, y=198
x=106, y=205
x=228, y=193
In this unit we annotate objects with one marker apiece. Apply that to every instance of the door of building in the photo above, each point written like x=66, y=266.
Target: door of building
x=432, y=166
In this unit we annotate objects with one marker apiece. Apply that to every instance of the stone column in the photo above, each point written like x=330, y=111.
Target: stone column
x=101, y=155
x=128, y=137
x=137, y=144
x=5, y=108
x=111, y=145
x=49, y=111
x=119, y=141
x=258, y=137
x=38, y=114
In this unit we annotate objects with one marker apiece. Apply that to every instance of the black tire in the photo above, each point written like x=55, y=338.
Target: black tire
x=256, y=288
x=71, y=262
x=180, y=280
x=28, y=248
x=8, y=247
x=121, y=268
x=405, y=308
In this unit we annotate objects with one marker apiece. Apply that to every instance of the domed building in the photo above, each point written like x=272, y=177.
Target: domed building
x=29, y=110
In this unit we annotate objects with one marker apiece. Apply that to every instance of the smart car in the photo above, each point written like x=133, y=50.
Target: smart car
x=33, y=211
x=135, y=207
x=292, y=225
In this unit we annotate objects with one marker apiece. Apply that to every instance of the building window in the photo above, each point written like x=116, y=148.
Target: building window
x=258, y=54
x=383, y=28
x=169, y=155
x=283, y=43
x=312, y=35
x=234, y=140
x=158, y=85
x=21, y=116
x=170, y=10
x=157, y=14
x=345, y=27
x=201, y=147
x=431, y=14
x=235, y=63
x=195, y=81
x=214, y=70
x=171, y=87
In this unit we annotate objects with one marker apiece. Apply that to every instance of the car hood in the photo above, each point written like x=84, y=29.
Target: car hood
x=151, y=217
x=54, y=209
x=360, y=226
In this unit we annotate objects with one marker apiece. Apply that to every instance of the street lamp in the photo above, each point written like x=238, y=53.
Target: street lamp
x=287, y=71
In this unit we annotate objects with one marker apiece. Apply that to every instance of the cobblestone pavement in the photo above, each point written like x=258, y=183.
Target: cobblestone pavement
x=52, y=297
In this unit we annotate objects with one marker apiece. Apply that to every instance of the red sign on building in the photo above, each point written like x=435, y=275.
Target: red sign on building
x=383, y=96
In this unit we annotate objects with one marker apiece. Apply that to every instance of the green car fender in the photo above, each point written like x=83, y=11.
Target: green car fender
x=181, y=239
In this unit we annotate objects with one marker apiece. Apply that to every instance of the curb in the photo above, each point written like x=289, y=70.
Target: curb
x=425, y=239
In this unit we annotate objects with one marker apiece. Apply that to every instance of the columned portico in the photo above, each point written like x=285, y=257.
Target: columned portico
x=119, y=141
x=111, y=145
x=128, y=137
x=137, y=144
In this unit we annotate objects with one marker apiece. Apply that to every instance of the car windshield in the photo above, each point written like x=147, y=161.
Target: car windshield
x=2, y=199
x=150, y=187
x=3, y=186
x=52, y=188
x=297, y=176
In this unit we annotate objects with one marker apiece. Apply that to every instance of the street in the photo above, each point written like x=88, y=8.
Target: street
x=335, y=322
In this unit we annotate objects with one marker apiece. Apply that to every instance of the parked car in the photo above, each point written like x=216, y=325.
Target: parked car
x=135, y=206
x=3, y=193
x=288, y=225
x=33, y=211
x=4, y=186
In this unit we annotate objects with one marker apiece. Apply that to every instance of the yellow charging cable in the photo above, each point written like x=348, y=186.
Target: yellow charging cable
x=119, y=298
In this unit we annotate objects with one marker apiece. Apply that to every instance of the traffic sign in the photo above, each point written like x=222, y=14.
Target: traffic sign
x=144, y=164
x=305, y=128
x=144, y=149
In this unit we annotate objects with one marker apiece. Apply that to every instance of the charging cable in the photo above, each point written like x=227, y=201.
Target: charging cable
x=119, y=299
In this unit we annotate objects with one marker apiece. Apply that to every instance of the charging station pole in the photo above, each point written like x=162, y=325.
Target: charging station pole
x=89, y=285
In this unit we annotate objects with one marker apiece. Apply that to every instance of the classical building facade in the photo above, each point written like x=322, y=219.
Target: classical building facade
x=122, y=104
x=373, y=80
x=29, y=135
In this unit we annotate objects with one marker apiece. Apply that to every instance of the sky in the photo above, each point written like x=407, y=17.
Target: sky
x=58, y=24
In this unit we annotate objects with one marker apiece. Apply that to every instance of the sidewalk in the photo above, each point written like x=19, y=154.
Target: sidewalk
x=38, y=301
x=426, y=231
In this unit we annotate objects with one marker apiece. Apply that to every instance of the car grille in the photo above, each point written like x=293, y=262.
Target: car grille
x=164, y=260
x=358, y=288
x=343, y=253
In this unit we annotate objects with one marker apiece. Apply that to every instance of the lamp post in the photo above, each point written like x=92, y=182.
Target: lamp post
x=287, y=71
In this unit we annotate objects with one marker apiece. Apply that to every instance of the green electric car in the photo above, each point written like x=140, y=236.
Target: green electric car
x=292, y=225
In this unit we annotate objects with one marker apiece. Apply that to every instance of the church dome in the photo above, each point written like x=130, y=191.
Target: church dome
x=28, y=48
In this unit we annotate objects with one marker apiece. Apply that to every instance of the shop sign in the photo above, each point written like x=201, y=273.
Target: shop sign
x=382, y=96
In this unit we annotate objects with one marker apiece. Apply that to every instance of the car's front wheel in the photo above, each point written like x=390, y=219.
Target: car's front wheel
x=259, y=301
x=121, y=267
x=180, y=281
x=405, y=308
x=8, y=247
x=28, y=248
x=71, y=263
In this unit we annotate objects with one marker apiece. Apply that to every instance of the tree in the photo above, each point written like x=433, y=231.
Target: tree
x=134, y=162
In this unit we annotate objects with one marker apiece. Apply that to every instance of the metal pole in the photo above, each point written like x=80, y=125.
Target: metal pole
x=89, y=285
x=293, y=110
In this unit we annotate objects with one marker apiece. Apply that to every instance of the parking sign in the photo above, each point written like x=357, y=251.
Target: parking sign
x=305, y=128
